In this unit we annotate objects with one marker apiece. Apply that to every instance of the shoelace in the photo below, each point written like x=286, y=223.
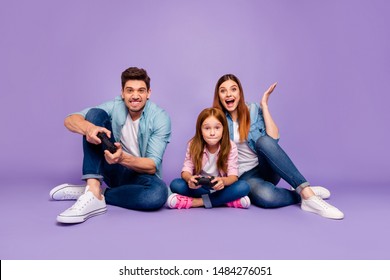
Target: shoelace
x=80, y=203
x=322, y=203
x=70, y=194
x=319, y=193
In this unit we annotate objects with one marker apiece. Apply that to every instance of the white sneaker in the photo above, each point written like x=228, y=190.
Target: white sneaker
x=87, y=206
x=67, y=192
x=316, y=205
x=322, y=192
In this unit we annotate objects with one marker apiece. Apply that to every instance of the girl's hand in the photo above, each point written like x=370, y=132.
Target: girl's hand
x=219, y=183
x=264, y=99
x=192, y=182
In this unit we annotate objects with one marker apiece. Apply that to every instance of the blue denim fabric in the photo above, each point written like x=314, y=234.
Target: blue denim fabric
x=135, y=191
x=257, y=125
x=127, y=188
x=154, y=128
x=215, y=199
x=274, y=164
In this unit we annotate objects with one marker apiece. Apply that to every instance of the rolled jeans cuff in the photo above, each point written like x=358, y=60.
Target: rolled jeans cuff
x=301, y=187
x=92, y=176
x=206, y=201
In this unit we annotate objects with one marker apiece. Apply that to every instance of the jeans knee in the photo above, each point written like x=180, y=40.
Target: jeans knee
x=264, y=143
x=157, y=197
x=242, y=188
x=95, y=115
x=261, y=194
x=178, y=185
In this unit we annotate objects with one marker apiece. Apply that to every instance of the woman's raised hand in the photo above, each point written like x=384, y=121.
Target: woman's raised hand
x=267, y=93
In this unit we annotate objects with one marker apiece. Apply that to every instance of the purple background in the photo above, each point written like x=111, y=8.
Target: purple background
x=330, y=58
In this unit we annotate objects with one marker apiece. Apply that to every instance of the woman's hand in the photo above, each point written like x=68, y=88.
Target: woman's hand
x=270, y=126
x=267, y=93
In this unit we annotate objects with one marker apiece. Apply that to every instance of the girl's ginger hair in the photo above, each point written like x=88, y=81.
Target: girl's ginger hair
x=197, y=143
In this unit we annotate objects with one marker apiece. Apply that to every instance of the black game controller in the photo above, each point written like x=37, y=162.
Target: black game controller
x=205, y=181
x=107, y=144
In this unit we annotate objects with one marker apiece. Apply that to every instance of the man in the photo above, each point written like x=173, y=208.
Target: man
x=141, y=131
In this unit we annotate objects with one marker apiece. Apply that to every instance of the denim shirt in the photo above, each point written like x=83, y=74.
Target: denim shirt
x=257, y=125
x=154, y=128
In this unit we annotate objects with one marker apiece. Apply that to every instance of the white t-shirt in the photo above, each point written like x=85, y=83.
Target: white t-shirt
x=247, y=159
x=129, y=137
x=210, y=167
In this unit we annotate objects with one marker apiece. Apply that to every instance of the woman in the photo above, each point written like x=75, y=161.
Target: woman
x=262, y=162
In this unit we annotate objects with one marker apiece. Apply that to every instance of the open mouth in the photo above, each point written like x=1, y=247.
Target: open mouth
x=229, y=101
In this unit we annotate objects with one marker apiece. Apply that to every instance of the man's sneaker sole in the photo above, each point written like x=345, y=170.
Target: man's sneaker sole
x=80, y=218
x=67, y=192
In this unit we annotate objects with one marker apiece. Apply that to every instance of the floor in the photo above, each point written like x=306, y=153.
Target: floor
x=29, y=230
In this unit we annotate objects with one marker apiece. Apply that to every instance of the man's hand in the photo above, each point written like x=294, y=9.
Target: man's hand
x=115, y=157
x=92, y=131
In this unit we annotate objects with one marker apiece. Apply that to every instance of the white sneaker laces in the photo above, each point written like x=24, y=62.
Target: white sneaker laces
x=322, y=203
x=69, y=194
x=80, y=203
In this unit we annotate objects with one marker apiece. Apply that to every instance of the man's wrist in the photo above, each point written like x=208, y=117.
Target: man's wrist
x=121, y=158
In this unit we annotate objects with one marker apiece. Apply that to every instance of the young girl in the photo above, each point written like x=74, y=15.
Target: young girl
x=262, y=162
x=210, y=154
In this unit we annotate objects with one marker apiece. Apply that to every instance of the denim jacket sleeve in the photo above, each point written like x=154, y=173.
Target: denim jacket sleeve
x=154, y=134
x=117, y=111
x=257, y=125
x=154, y=131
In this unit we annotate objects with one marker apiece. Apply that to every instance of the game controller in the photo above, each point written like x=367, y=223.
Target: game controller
x=205, y=181
x=107, y=143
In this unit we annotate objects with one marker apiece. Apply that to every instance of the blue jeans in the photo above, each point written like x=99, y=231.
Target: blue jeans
x=274, y=164
x=215, y=199
x=127, y=188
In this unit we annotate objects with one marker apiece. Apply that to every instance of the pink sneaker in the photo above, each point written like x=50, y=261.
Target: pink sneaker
x=243, y=202
x=179, y=201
